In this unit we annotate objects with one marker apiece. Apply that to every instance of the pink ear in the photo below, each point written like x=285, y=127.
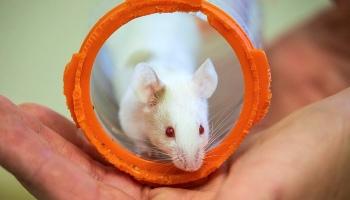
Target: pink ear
x=146, y=84
x=205, y=79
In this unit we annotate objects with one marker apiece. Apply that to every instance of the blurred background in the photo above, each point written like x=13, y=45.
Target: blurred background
x=38, y=37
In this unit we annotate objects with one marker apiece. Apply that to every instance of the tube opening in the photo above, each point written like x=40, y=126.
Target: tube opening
x=175, y=46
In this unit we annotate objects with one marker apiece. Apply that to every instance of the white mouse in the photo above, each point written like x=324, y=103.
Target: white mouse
x=162, y=94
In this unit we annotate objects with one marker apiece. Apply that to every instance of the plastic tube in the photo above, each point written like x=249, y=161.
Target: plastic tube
x=237, y=23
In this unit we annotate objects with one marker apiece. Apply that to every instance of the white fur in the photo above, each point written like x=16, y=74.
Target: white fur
x=164, y=89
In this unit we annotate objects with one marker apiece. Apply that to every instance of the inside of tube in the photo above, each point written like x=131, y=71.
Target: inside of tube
x=224, y=105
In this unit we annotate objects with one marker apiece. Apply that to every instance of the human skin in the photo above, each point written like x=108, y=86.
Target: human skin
x=304, y=156
x=301, y=150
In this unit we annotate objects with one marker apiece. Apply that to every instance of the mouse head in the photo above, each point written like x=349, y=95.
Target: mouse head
x=176, y=109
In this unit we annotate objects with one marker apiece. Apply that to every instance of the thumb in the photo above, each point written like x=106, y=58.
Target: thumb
x=304, y=156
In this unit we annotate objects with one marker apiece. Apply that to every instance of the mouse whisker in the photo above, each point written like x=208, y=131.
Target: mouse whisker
x=220, y=132
x=215, y=135
x=225, y=113
x=222, y=102
x=223, y=120
x=214, y=140
x=211, y=126
x=233, y=106
x=210, y=145
x=218, y=114
x=159, y=152
x=222, y=129
x=161, y=158
x=222, y=124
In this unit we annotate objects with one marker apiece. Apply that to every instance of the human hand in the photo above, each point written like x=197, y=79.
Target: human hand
x=49, y=157
x=305, y=156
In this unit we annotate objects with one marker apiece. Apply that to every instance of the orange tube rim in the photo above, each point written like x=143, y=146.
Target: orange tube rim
x=77, y=90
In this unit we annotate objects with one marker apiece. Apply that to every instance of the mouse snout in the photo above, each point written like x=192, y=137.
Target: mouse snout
x=189, y=161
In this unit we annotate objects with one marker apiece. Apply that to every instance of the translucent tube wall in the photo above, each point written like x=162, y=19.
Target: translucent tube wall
x=224, y=106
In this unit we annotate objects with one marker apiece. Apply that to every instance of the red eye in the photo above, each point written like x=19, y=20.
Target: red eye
x=201, y=130
x=170, y=132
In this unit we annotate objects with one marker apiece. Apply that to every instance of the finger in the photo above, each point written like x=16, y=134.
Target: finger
x=61, y=142
x=109, y=175
x=62, y=126
x=32, y=160
x=16, y=125
x=38, y=157
x=53, y=120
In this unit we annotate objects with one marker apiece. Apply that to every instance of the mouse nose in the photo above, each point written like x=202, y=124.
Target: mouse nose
x=193, y=165
x=189, y=161
x=194, y=161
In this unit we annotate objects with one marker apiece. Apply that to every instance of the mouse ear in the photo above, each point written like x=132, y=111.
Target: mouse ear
x=205, y=79
x=147, y=85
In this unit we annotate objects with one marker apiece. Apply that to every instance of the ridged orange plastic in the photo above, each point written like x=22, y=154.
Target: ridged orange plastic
x=77, y=77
